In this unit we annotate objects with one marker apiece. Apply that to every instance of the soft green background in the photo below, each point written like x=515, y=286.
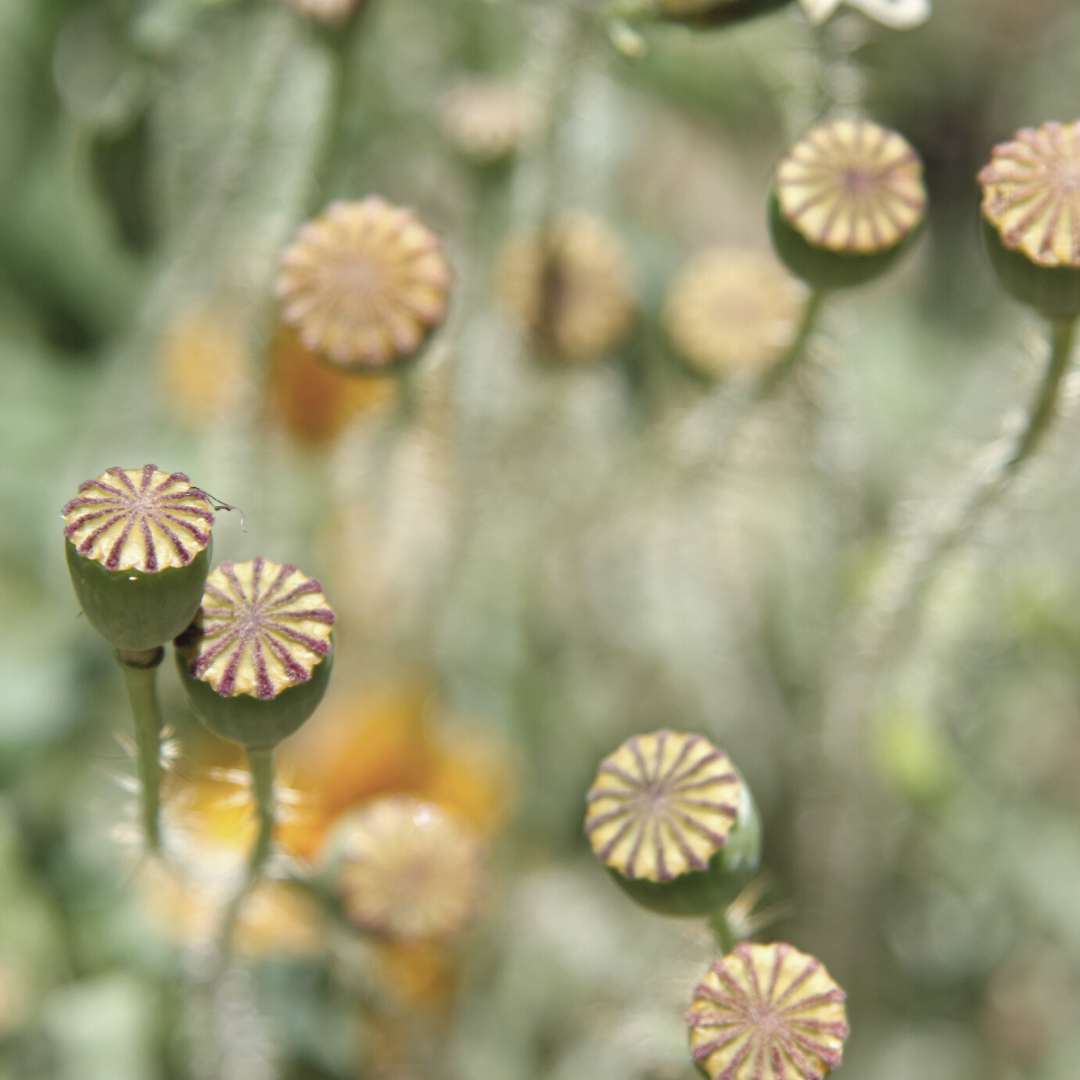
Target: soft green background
x=594, y=568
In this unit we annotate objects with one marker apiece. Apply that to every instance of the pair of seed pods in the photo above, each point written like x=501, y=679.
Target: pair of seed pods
x=254, y=641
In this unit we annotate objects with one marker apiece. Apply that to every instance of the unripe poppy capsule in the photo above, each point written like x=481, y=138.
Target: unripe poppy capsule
x=847, y=201
x=674, y=823
x=1031, y=217
x=138, y=551
x=256, y=660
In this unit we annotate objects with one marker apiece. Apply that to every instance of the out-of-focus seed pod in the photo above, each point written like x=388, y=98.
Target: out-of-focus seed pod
x=138, y=550
x=332, y=12
x=674, y=823
x=487, y=120
x=713, y=14
x=256, y=660
x=315, y=400
x=569, y=286
x=767, y=1011
x=847, y=201
x=405, y=870
x=1031, y=217
x=734, y=310
x=365, y=283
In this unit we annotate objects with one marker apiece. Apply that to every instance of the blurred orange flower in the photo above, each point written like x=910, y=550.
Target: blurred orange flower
x=316, y=400
x=390, y=741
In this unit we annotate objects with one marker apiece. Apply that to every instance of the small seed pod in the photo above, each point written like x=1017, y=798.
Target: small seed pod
x=713, y=14
x=674, y=823
x=487, y=120
x=365, y=283
x=256, y=660
x=847, y=201
x=733, y=310
x=767, y=1011
x=406, y=870
x=138, y=551
x=1031, y=217
x=570, y=287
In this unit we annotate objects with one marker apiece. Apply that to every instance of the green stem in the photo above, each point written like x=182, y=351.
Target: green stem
x=1045, y=405
x=140, y=674
x=726, y=937
x=261, y=764
x=793, y=358
x=769, y=383
x=896, y=615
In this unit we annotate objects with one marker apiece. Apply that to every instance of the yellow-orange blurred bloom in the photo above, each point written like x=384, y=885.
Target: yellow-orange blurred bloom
x=203, y=365
x=316, y=400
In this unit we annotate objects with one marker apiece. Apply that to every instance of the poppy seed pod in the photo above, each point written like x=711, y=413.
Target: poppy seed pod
x=713, y=14
x=847, y=201
x=733, y=310
x=569, y=286
x=365, y=283
x=767, y=1011
x=1031, y=217
x=138, y=551
x=406, y=870
x=674, y=823
x=256, y=661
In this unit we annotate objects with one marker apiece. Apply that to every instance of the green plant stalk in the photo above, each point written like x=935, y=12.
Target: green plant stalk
x=901, y=609
x=1063, y=336
x=140, y=675
x=792, y=360
x=744, y=406
x=725, y=935
x=261, y=765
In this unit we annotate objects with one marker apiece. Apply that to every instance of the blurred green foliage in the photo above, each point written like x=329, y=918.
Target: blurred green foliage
x=567, y=556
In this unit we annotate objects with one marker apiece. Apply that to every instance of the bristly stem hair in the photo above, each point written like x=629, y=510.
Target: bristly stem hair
x=261, y=764
x=896, y=613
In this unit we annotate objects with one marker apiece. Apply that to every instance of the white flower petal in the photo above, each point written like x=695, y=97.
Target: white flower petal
x=898, y=14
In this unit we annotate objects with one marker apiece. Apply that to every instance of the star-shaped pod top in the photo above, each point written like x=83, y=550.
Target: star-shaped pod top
x=767, y=1012
x=847, y=198
x=257, y=657
x=261, y=629
x=1031, y=193
x=661, y=805
x=1031, y=217
x=139, y=519
x=852, y=186
x=138, y=550
x=365, y=283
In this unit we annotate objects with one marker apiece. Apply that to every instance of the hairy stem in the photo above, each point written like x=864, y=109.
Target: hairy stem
x=897, y=613
x=790, y=362
x=261, y=764
x=140, y=675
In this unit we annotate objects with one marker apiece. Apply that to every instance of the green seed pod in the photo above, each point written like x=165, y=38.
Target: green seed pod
x=847, y=202
x=674, y=823
x=1031, y=218
x=138, y=550
x=256, y=660
x=713, y=14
